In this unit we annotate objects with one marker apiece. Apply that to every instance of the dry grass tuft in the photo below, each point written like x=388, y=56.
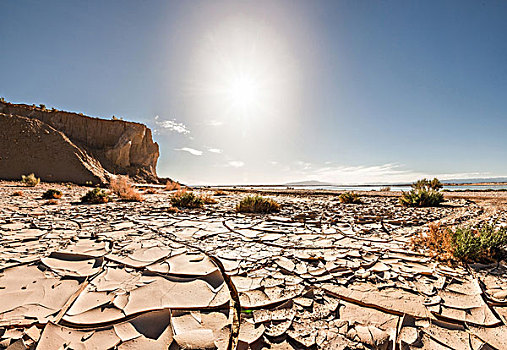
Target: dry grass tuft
x=257, y=204
x=17, y=194
x=173, y=210
x=207, y=199
x=185, y=199
x=172, y=186
x=349, y=198
x=123, y=189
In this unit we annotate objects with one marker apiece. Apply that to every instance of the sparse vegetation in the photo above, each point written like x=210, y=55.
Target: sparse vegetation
x=427, y=185
x=52, y=194
x=424, y=193
x=30, y=180
x=220, y=193
x=51, y=202
x=207, y=199
x=184, y=199
x=257, y=204
x=150, y=190
x=172, y=186
x=349, y=198
x=173, y=210
x=385, y=189
x=17, y=193
x=42, y=106
x=123, y=189
x=95, y=196
x=466, y=243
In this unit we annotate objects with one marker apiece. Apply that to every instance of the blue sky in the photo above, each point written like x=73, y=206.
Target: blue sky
x=277, y=91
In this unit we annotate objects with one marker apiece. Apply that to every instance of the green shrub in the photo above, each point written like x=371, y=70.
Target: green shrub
x=184, y=199
x=421, y=198
x=30, y=180
x=464, y=243
x=52, y=194
x=424, y=193
x=480, y=244
x=257, y=204
x=95, y=196
x=349, y=198
x=427, y=185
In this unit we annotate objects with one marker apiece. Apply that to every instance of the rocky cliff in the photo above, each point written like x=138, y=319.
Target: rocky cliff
x=42, y=141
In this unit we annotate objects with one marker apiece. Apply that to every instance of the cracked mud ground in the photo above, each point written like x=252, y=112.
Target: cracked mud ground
x=318, y=275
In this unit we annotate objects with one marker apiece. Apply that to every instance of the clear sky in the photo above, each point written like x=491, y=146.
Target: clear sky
x=277, y=91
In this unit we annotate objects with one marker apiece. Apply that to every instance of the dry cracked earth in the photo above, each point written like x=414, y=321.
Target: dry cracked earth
x=318, y=275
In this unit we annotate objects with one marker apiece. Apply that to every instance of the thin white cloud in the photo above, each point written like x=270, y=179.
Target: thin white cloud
x=384, y=173
x=172, y=125
x=192, y=151
x=236, y=163
x=214, y=122
x=214, y=150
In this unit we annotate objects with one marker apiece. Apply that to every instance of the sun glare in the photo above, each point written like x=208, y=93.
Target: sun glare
x=243, y=92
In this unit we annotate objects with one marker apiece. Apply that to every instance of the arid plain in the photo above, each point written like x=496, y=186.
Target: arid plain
x=318, y=274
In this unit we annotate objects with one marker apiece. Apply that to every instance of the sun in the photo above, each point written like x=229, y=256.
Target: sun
x=243, y=92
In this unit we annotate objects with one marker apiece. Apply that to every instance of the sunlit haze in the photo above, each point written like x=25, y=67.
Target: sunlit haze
x=264, y=92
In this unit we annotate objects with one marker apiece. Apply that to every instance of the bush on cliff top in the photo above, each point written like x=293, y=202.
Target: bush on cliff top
x=30, y=180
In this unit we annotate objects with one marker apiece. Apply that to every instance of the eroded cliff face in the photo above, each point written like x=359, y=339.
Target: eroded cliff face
x=117, y=146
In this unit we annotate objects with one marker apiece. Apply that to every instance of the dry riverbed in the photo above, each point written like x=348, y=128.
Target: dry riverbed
x=318, y=274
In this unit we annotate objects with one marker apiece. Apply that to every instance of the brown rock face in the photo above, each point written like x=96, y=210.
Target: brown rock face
x=49, y=138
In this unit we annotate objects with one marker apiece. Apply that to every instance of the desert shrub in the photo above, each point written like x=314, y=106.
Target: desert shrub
x=150, y=190
x=51, y=202
x=421, y=198
x=30, y=180
x=207, y=199
x=424, y=193
x=465, y=243
x=172, y=186
x=220, y=193
x=123, y=189
x=257, y=204
x=173, y=210
x=385, y=189
x=17, y=193
x=425, y=184
x=349, y=198
x=42, y=106
x=52, y=194
x=95, y=196
x=184, y=199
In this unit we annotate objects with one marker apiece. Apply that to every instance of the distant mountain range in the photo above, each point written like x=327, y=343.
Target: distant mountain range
x=309, y=183
x=449, y=181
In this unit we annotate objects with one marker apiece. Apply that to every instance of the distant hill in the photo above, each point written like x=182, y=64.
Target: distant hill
x=477, y=180
x=309, y=183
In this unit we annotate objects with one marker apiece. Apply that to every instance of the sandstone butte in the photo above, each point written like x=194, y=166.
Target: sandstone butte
x=61, y=146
